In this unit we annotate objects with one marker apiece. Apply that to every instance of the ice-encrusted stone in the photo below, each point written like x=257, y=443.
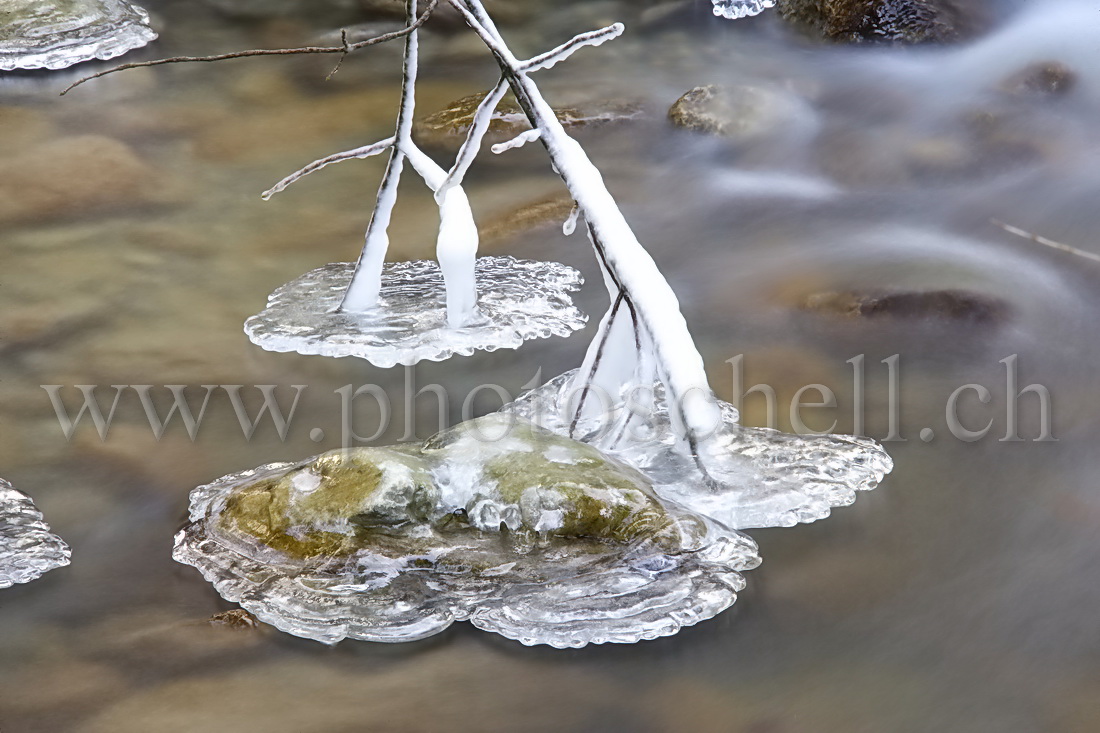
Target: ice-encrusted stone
x=735, y=9
x=522, y=532
x=35, y=34
x=27, y=547
x=517, y=300
x=757, y=477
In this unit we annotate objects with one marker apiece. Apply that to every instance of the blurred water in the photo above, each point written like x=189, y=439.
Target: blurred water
x=960, y=596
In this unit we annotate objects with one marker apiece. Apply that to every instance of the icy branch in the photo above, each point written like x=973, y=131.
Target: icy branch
x=472, y=146
x=519, y=141
x=367, y=151
x=656, y=324
x=362, y=293
x=564, y=51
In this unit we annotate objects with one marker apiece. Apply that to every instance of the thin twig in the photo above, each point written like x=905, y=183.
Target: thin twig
x=344, y=55
x=1046, y=242
x=341, y=49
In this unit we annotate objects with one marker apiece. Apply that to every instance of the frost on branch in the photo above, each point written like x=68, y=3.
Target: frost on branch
x=27, y=547
x=521, y=532
x=517, y=300
x=55, y=35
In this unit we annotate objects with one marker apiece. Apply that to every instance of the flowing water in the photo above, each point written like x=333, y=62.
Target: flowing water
x=960, y=596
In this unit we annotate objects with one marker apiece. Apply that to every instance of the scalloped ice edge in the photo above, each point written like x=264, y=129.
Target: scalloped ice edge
x=139, y=35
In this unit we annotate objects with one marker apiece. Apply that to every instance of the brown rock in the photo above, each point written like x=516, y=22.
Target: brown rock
x=740, y=112
x=955, y=306
x=447, y=128
x=75, y=176
x=506, y=227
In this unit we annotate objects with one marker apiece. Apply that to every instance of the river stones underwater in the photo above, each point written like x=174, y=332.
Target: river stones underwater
x=54, y=35
x=27, y=547
x=522, y=532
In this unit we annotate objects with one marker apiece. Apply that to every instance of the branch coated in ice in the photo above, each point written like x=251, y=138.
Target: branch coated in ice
x=564, y=51
x=367, y=151
x=519, y=141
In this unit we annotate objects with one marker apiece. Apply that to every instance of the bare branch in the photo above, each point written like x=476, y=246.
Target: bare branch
x=561, y=53
x=367, y=151
x=1046, y=242
x=341, y=49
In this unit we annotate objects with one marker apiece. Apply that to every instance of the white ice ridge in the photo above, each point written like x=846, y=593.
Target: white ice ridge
x=735, y=9
x=518, y=300
x=27, y=547
x=757, y=477
x=56, y=35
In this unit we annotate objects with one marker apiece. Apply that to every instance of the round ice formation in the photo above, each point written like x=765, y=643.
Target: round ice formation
x=735, y=9
x=754, y=478
x=517, y=300
x=27, y=547
x=522, y=532
x=54, y=35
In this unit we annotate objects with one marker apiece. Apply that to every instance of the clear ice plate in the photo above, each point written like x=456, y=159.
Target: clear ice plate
x=518, y=300
x=35, y=34
x=28, y=548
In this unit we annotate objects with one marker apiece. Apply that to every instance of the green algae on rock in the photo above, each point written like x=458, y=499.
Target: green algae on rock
x=496, y=521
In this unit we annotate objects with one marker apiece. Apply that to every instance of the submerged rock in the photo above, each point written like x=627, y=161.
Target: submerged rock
x=447, y=128
x=522, y=532
x=742, y=113
x=955, y=306
x=27, y=547
x=1048, y=77
x=54, y=35
x=902, y=21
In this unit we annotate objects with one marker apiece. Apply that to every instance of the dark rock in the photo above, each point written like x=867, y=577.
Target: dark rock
x=953, y=306
x=1047, y=77
x=237, y=619
x=901, y=21
x=740, y=112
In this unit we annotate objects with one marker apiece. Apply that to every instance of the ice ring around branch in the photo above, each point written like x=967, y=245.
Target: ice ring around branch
x=518, y=300
x=27, y=547
x=757, y=477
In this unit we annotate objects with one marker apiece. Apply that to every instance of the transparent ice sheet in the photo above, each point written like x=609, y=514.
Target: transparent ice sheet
x=505, y=566
x=760, y=477
x=517, y=300
x=27, y=547
x=35, y=34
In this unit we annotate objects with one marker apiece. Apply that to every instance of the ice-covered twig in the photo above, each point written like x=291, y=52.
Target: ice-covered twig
x=362, y=293
x=367, y=151
x=653, y=310
x=561, y=53
x=1046, y=242
x=518, y=141
x=472, y=145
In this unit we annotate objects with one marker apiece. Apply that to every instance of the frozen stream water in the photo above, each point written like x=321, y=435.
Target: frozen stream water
x=960, y=596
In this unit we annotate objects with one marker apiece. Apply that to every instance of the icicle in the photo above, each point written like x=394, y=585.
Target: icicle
x=570, y=224
x=518, y=141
